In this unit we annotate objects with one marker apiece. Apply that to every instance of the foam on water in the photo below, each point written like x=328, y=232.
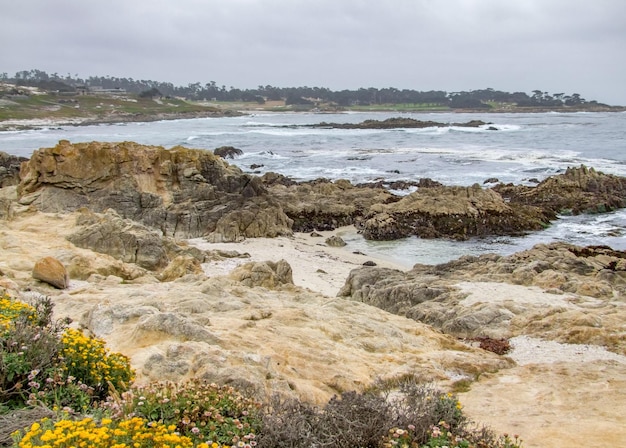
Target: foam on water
x=524, y=148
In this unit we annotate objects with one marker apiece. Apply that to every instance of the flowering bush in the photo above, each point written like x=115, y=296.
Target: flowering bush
x=11, y=310
x=87, y=360
x=42, y=362
x=29, y=349
x=204, y=412
x=134, y=432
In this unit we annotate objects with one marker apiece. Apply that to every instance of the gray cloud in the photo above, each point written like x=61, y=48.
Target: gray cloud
x=566, y=46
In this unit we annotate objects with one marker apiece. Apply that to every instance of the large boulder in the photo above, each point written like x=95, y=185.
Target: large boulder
x=267, y=274
x=182, y=192
x=51, y=271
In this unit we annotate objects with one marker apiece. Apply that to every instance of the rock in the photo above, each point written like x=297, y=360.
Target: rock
x=10, y=169
x=578, y=190
x=266, y=274
x=453, y=212
x=123, y=239
x=557, y=291
x=227, y=152
x=51, y=271
x=491, y=180
x=322, y=205
x=179, y=267
x=173, y=325
x=184, y=193
x=8, y=197
x=335, y=241
x=397, y=122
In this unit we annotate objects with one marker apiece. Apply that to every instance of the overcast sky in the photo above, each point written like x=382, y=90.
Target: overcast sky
x=569, y=46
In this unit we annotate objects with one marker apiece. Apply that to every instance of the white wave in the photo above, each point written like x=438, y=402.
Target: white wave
x=263, y=155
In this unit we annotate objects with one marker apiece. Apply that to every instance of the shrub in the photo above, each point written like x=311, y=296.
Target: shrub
x=395, y=414
x=44, y=363
x=87, y=360
x=134, y=432
x=29, y=349
x=202, y=411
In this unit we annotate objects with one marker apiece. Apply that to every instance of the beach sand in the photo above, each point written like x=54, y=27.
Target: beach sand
x=315, y=265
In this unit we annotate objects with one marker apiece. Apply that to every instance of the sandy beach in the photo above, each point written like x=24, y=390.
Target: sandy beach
x=315, y=265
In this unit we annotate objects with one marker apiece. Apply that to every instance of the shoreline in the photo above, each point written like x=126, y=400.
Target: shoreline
x=315, y=265
x=13, y=125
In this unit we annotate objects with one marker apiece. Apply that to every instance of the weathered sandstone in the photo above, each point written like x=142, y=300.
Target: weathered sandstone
x=558, y=291
x=181, y=192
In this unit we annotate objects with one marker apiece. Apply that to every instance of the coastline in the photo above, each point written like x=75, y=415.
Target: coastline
x=315, y=265
x=39, y=123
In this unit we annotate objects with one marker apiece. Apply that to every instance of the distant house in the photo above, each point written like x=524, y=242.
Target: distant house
x=99, y=90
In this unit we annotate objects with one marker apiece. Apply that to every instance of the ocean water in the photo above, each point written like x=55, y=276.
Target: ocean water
x=523, y=149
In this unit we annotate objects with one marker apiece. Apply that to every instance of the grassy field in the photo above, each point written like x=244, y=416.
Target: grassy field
x=93, y=107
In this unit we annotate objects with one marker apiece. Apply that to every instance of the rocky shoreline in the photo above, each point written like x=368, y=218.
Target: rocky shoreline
x=195, y=269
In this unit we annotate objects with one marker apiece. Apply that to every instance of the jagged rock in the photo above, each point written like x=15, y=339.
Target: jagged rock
x=179, y=267
x=575, y=294
x=267, y=274
x=182, y=192
x=456, y=212
x=123, y=239
x=324, y=205
x=227, y=152
x=10, y=169
x=335, y=241
x=51, y=271
x=578, y=190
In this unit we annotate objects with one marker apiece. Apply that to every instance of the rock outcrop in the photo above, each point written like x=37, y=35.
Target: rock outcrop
x=578, y=190
x=182, y=192
x=122, y=239
x=10, y=169
x=398, y=122
x=454, y=212
x=559, y=291
x=322, y=204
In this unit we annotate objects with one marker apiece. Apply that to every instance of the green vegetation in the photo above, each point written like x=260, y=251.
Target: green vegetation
x=109, y=98
x=97, y=107
x=86, y=397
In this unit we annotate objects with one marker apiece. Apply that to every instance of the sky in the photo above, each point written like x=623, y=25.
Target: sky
x=556, y=46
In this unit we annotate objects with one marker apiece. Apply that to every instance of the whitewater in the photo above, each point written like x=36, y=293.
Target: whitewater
x=512, y=148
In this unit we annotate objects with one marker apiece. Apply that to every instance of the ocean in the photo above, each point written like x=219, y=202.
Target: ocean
x=518, y=148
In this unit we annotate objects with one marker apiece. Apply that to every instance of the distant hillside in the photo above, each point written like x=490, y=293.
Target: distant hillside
x=35, y=93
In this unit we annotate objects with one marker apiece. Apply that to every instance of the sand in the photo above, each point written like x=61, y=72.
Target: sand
x=315, y=265
x=557, y=395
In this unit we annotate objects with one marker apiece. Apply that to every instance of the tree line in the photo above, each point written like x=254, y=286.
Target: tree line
x=474, y=99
